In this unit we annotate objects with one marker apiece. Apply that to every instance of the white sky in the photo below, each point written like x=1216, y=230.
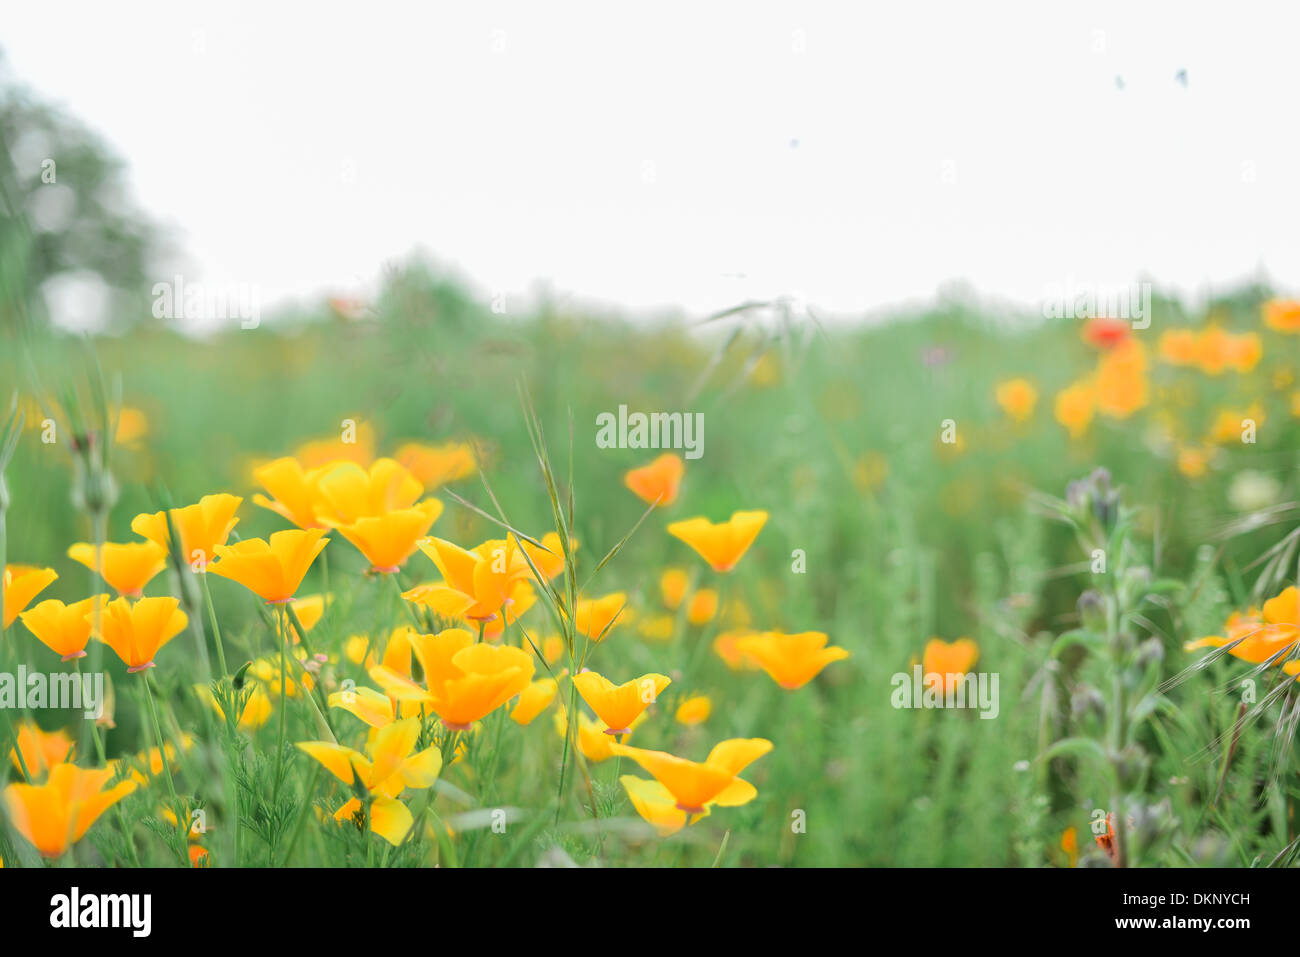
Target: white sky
x=695, y=154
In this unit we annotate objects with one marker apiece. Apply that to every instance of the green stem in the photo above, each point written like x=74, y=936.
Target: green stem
x=182, y=825
x=212, y=622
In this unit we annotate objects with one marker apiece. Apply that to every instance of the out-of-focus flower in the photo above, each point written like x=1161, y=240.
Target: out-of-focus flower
x=132, y=427
x=201, y=527
x=356, y=445
x=596, y=617
x=271, y=569
x=694, y=710
x=1074, y=407
x=533, y=700
x=674, y=583
x=1017, y=398
x=135, y=631
x=944, y=663
x=1121, y=380
x=64, y=629
x=127, y=566
x=436, y=465
x=55, y=815
x=703, y=607
x=1194, y=462
x=722, y=545
x=549, y=559
x=1251, y=491
x=1070, y=845
x=256, y=712
x=728, y=647
x=1178, y=347
x=1105, y=332
x=1282, y=315
x=657, y=483
x=870, y=471
x=791, y=660
x=40, y=750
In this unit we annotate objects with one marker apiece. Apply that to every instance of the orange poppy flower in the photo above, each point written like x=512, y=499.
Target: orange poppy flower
x=201, y=526
x=724, y=544
x=40, y=750
x=476, y=583
x=596, y=617
x=619, y=705
x=128, y=566
x=55, y=815
x=696, y=785
x=272, y=569
x=135, y=631
x=23, y=583
x=64, y=629
x=657, y=483
x=945, y=662
x=791, y=660
x=465, y=680
x=436, y=465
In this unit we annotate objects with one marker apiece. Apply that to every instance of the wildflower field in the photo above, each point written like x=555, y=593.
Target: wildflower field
x=417, y=584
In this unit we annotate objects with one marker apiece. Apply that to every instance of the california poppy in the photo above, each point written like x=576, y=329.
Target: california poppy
x=721, y=545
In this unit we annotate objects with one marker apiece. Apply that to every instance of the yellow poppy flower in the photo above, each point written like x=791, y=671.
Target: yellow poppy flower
x=596, y=617
x=703, y=607
x=346, y=492
x=674, y=583
x=1017, y=398
x=619, y=705
x=64, y=629
x=694, y=710
x=656, y=804
x=135, y=631
x=721, y=545
x=257, y=709
x=695, y=785
x=791, y=660
x=23, y=583
x=201, y=526
x=476, y=582
x=549, y=559
x=595, y=745
x=464, y=680
x=1074, y=407
x=533, y=700
x=55, y=815
x=436, y=465
x=388, y=540
x=128, y=566
x=727, y=647
x=387, y=769
x=657, y=483
x=294, y=491
x=272, y=570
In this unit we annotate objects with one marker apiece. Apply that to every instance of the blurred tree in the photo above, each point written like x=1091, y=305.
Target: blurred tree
x=69, y=232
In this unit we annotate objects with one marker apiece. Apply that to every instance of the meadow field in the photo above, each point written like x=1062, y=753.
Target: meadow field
x=1083, y=531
